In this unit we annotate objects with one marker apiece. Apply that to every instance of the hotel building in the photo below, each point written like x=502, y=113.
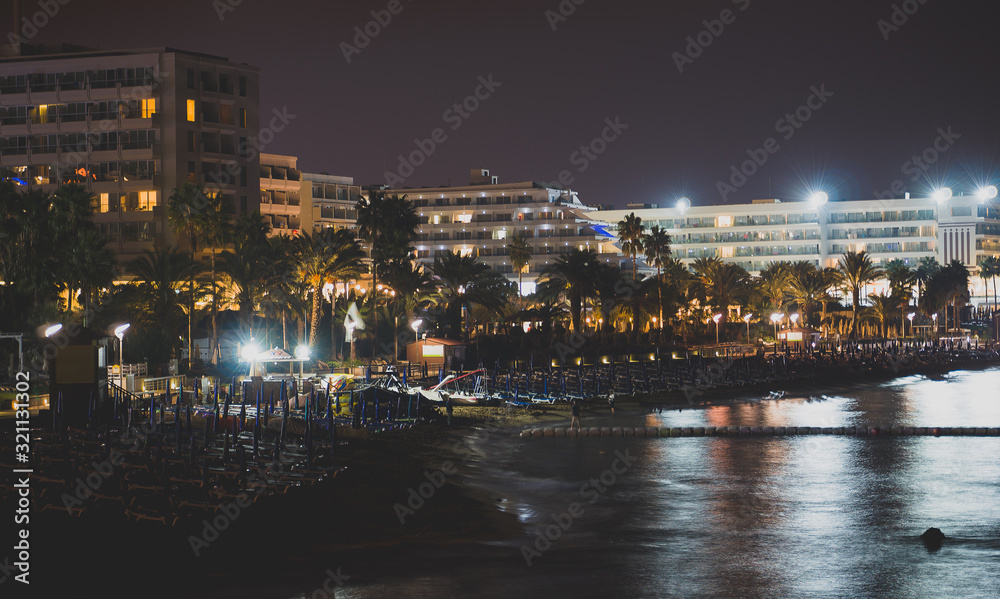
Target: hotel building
x=960, y=227
x=293, y=201
x=130, y=126
x=480, y=219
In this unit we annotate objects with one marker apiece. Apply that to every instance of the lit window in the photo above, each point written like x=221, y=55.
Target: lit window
x=724, y=221
x=464, y=218
x=148, y=108
x=190, y=111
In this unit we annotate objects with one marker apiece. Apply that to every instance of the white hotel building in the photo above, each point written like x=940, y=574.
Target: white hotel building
x=480, y=219
x=962, y=227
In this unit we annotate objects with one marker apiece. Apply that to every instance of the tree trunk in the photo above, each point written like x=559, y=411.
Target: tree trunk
x=284, y=329
x=314, y=325
x=215, y=312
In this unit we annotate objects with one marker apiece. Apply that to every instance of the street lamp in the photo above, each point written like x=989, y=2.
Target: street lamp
x=302, y=353
x=746, y=319
x=794, y=318
x=717, y=318
x=942, y=195
x=775, y=318
x=910, y=318
x=415, y=325
x=987, y=193
x=819, y=198
x=249, y=354
x=120, y=333
x=934, y=318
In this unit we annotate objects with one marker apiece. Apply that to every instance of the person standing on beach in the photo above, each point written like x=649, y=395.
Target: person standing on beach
x=611, y=403
x=447, y=408
x=576, y=416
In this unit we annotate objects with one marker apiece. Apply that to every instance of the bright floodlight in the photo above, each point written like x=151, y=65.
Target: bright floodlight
x=747, y=317
x=911, y=315
x=683, y=204
x=120, y=329
x=987, y=193
x=302, y=352
x=942, y=195
x=777, y=316
x=52, y=330
x=249, y=352
x=794, y=317
x=415, y=325
x=820, y=197
x=717, y=318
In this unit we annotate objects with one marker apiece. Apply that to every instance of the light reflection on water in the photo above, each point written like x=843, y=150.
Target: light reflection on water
x=812, y=516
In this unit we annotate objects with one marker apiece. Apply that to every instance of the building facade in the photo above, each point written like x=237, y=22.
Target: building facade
x=131, y=127
x=962, y=227
x=480, y=219
x=293, y=201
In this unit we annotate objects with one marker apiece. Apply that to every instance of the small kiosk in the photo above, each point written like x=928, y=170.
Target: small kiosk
x=436, y=352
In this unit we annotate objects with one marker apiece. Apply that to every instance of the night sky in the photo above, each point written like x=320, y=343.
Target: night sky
x=891, y=98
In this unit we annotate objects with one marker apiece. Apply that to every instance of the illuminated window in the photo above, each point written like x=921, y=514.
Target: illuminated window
x=500, y=234
x=464, y=218
x=147, y=200
x=724, y=221
x=190, y=111
x=149, y=108
x=465, y=252
x=104, y=203
x=437, y=219
x=726, y=251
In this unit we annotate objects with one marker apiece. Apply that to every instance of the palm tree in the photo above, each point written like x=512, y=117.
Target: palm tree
x=724, y=283
x=927, y=267
x=657, y=247
x=884, y=307
x=248, y=266
x=184, y=208
x=773, y=284
x=810, y=287
x=328, y=256
x=572, y=274
x=89, y=266
x=463, y=281
x=855, y=270
x=213, y=226
x=630, y=234
x=160, y=275
x=947, y=287
x=989, y=268
x=520, y=256
x=901, y=281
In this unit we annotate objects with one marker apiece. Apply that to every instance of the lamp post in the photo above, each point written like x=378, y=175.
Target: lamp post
x=775, y=318
x=910, y=318
x=415, y=325
x=746, y=319
x=302, y=353
x=249, y=354
x=934, y=318
x=717, y=318
x=120, y=333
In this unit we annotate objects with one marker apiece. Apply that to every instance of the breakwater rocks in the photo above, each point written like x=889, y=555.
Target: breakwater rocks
x=763, y=431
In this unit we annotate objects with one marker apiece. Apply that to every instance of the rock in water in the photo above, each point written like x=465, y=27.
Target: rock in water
x=932, y=538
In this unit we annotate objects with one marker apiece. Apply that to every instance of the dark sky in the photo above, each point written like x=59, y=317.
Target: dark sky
x=608, y=59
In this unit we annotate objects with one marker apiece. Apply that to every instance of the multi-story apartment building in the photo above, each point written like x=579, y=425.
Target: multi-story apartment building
x=294, y=201
x=961, y=227
x=480, y=219
x=131, y=126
